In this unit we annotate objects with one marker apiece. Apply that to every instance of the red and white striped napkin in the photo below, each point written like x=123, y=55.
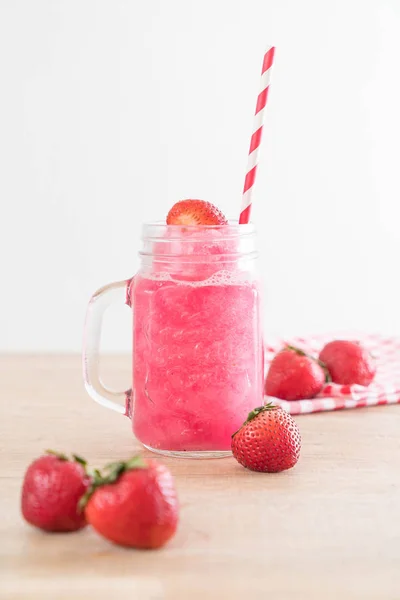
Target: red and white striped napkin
x=385, y=389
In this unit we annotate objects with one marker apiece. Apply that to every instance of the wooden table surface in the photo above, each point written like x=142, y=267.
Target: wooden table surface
x=327, y=529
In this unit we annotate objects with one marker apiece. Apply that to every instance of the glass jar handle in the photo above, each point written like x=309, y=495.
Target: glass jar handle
x=99, y=302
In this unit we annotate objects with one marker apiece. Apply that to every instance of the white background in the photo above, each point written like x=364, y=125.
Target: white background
x=110, y=111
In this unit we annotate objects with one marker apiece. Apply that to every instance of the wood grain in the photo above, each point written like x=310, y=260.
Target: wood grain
x=327, y=529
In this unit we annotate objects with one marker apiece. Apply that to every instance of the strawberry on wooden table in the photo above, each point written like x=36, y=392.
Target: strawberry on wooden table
x=52, y=488
x=348, y=362
x=195, y=212
x=133, y=503
x=294, y=375
x=268, y=441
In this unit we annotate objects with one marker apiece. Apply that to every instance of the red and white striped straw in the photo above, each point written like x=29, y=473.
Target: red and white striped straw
x=256, y=137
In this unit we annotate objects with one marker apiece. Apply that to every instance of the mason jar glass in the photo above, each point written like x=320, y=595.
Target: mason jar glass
x=197, y=361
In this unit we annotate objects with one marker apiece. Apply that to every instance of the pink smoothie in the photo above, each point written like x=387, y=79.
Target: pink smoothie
x=197, y=360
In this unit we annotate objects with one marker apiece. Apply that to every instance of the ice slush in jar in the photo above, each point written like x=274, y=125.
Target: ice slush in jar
x=197, y=338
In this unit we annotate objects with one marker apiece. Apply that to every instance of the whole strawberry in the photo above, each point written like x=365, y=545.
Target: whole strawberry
x=195, y=212
x=133, y=504
x=268, y=441
x=294, y=375
x=52, y=488
x=348, y=362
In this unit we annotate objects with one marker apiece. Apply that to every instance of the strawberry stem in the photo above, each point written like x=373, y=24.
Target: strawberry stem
x=59, y=455
x=80, y=460
x=75, y=457
x=323, y=366
x=297, y=350
x=111, y=473
x=256, y=411
x=136, y=462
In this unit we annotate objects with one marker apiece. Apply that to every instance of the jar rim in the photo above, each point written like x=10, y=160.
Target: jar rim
x=168, y=242
x=230, y=223
x=156, y=229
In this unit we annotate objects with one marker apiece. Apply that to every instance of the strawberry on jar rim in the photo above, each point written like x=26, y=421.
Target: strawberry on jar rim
x=189, y=213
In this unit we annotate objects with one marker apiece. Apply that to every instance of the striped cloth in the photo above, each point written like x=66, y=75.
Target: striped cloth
x=385, y=389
